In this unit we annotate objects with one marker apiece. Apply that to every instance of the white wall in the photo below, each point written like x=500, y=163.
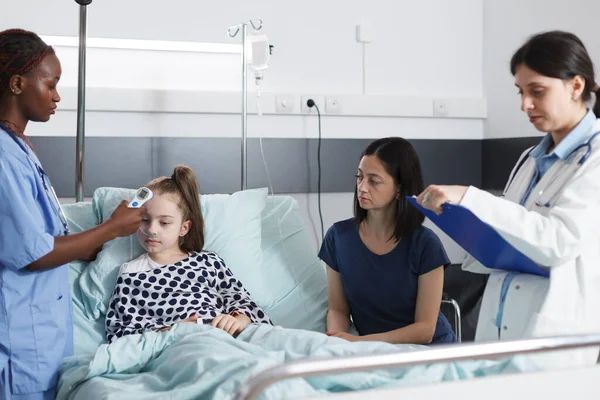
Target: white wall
x=424, y=47
x=506, y=26
x=423, y=51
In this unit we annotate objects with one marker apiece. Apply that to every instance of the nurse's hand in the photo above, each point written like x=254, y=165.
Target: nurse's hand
x=435, y=196
x=85, y=245
x=91, y=256
x=124, y=220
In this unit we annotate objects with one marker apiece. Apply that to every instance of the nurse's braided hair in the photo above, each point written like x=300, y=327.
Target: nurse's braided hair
x=560, y=55
x=183, y=185
x=20, y=52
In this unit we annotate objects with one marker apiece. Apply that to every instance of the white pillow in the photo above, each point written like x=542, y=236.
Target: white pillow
x=292, y=278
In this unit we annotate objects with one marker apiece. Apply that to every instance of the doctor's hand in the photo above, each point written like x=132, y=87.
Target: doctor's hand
x=124, y=220
x=231, y=324
x=435, y=196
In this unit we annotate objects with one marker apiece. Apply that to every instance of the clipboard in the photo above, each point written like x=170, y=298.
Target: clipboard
x=479, y=239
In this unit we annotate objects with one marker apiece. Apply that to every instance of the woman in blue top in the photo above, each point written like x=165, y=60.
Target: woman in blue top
x=385, y=270
x=35, y=299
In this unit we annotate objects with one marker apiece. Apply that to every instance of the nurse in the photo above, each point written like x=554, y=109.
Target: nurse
x=35, y=301
x=550, y=210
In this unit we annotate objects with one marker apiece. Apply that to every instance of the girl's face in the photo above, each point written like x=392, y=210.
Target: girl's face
x=163, y=224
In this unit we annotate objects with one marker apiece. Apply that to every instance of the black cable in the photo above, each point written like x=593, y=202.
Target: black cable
x=310, y=103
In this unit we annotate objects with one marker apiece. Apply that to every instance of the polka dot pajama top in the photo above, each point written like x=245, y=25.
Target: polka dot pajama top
x=149, y=296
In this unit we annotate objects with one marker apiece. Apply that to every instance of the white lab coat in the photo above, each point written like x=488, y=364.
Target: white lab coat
x=564, y=237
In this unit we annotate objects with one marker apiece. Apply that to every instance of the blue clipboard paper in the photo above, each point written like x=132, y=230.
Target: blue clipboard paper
x=480, y=240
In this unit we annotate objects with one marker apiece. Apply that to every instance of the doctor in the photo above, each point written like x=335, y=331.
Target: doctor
x=550, y=210
x=35, y=301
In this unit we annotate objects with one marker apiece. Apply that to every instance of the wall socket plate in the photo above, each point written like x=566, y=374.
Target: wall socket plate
x=305, y=109
x=440, y=108
x=284, y=104
x=333, y=105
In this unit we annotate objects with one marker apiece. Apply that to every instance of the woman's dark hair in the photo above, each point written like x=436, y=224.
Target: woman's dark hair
x=560, y=55
x=20, y=52
x=401, y=161
x=183, y=184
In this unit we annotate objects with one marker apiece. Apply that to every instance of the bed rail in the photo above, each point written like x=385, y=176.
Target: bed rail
x=446, y=353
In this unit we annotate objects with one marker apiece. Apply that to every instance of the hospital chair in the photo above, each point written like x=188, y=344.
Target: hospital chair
x=461, y=300
x=451, y=311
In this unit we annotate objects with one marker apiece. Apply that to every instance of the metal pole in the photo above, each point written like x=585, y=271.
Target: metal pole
x=232, y=31
x=244, y=110
x=81, y=99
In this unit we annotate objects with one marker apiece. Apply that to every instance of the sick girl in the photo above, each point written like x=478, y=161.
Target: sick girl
x=176, y=280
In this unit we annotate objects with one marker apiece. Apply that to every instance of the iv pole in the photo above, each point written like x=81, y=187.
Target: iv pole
x=81, y=99
x=232, y=31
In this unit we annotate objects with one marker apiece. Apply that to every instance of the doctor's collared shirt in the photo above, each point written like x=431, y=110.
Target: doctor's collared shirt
x=578, y=136
x=35, y=307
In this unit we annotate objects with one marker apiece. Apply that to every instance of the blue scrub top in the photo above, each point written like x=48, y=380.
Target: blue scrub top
x=36, y=330
x=381, y=290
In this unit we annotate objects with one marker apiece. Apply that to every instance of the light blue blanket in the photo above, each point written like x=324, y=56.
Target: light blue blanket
x=200, y=362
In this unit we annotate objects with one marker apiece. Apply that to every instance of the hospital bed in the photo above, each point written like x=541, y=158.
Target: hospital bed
x=289, y=282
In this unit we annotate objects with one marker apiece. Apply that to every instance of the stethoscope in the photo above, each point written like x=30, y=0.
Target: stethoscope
x=54, y=202
x=569, y=168
x=588, y=152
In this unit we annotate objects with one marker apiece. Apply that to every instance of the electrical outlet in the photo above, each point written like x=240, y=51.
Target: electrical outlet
x=333, y=105
x=284, y=104
x=440, y=108
x=307, y=110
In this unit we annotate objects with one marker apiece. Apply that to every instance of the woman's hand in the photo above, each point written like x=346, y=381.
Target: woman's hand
x=345, y=335
x=435, y=196
x=232, y=324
